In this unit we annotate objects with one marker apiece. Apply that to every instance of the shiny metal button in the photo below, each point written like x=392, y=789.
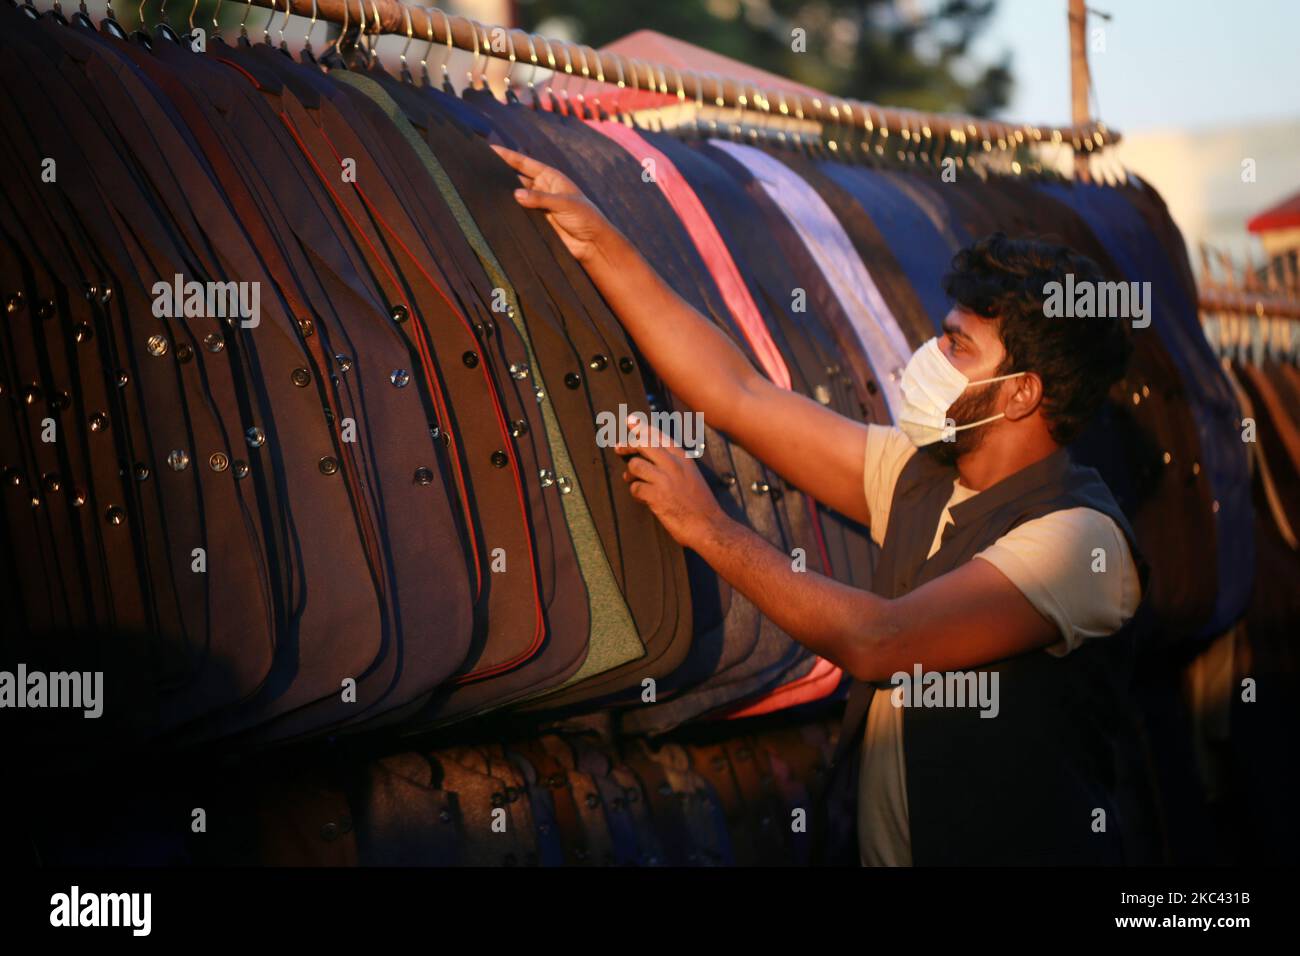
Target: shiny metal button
x=98, y=421
x=470, y=359
x=114, y=515
x=400, y=378
x=31, y=394
x=518, y=372
x=598, y=363
x=179, y=459
x=539, y=394
x=344, y=362
x=255, y=437
x=519, y=427
x=500, y=459
x=77, y=497
x=423, y=476
x=59, y=401
x=141, y=471
x=52, y=482
x=399, y=314
x=14, y=477
x=572, y=380
x=218, y=461
x=184, y=353
x=728, y=478
x=300, y=377
x=157, y=346
x=328, y=465
x=241, y=468
x=13, y=302
x=547, y=476
x=83, y=332
x=122, y=378
x=566, y=487
x=307, y=327
x=45, y=310
x=213, y=342
x=626, y=365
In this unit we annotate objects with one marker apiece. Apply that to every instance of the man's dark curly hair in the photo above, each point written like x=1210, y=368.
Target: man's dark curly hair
x=1078, y=359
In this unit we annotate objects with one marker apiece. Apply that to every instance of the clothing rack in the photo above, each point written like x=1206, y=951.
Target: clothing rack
x=918, y=129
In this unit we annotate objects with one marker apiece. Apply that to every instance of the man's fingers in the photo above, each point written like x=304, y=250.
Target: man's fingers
x=524, y=164
x=640, y=469
x=536, y=199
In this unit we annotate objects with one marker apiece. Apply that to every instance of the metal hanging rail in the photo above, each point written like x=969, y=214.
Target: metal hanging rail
x=518, y=46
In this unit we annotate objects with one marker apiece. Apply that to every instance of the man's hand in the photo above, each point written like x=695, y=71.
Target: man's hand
x=670, y=484
x=579, y=224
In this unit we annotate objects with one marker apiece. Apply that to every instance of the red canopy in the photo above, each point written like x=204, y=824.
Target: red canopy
x=1285, y=215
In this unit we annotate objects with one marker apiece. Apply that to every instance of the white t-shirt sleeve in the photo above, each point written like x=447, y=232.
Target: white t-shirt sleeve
x=1074, y=566
x=888, y=450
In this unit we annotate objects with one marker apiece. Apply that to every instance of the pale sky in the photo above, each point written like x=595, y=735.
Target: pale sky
x=1166, y=63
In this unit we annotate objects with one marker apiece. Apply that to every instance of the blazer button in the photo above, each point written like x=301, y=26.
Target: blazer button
x=399, y=314
x=31, y=394
x=179, y=459
x=157, y=346
x=626, y=365
x=13, y=302
x=328, y=465
x=213, y=342
x=98, y=421
x=423, y=476
x=598, y=363
x=572, y=380
x=83, y=332
x=78, y=497
x=14, y=477
x=114, y=515
x=547, y=477
x=141, y=471
x=470, y=359
x=345, y=363
x=122, y=378
x=218, y=461
x=520, y=427
x=45, y=310
x=499, y=459
x=59, y=401
x=400, y=378
x=184, y=353
x=256, y=437
x=728, y=478
x=300, y=377
x=52, y=482
x=241, y=468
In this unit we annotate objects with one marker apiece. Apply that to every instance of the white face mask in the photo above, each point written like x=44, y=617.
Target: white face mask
x=930, y=385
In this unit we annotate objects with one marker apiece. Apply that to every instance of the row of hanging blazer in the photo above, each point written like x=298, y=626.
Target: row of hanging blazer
x=323, y=454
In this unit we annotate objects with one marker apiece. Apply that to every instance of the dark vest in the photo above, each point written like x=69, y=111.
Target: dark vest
x=1022, y=787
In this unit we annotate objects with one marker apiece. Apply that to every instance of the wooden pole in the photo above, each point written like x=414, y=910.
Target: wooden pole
x=1079, y=83
x=425, y=22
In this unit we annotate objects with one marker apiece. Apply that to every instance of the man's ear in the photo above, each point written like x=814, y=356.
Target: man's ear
x=1026, y=397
